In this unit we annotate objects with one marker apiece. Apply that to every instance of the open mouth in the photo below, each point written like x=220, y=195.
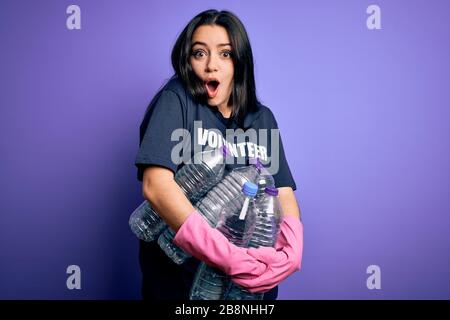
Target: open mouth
x=212, y=87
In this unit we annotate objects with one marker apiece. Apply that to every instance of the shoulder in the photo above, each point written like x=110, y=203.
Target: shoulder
x=263, y=117
x=266, y=112
x=169, y=102
x=175, y=87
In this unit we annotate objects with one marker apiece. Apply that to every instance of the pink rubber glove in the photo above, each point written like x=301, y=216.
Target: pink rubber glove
x=281, y=262
x=207, y=244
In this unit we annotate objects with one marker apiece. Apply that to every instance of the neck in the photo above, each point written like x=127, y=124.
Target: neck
x=225, y=110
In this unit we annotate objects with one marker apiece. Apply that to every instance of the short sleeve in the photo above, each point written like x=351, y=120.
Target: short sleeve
x=283, y=177
x=164, y=115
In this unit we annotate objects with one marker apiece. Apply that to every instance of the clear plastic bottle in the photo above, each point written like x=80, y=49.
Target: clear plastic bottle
x=229, y=188
x=268, y=219
x=145, y=223
x=195, y=179
x=237, y=223
x=211, y=206
x=209, y=284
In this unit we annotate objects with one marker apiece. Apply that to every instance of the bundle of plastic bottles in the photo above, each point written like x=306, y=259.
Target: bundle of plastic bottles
x=242, y=204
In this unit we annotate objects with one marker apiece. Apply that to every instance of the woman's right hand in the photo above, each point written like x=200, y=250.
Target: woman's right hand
x=257, y=270
x=209, y=245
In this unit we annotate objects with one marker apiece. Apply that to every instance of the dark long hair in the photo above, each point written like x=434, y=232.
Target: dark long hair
x=243, y=95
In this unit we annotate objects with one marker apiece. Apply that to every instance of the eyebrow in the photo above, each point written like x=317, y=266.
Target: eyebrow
x=204, y=44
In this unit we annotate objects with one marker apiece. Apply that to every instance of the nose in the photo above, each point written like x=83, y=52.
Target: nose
x=211, y=64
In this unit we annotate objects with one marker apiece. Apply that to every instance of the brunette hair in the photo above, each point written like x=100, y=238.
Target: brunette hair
x=243, y=95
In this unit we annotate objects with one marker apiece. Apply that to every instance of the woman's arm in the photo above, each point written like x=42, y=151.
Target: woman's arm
x=165, y=196
x=288, y=202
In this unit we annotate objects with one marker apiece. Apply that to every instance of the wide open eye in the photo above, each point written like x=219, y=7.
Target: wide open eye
x=198, y=53
x=227, y=54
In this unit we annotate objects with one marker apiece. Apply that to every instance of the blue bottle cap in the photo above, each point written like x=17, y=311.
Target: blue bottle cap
x=250, y=189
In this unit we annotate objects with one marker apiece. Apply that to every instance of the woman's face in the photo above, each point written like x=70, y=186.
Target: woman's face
x=212, y=62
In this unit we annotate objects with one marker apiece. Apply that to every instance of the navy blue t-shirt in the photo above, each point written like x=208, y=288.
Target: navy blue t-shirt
x=174, y=128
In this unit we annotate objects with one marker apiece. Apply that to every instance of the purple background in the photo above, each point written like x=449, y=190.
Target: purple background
x=363, y=115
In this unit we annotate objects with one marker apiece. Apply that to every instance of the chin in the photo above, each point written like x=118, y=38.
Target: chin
x=214, y=101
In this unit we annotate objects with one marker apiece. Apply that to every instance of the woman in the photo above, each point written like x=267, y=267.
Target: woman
x=213, y=89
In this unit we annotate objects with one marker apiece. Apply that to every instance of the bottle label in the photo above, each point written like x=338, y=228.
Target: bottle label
x=244, y=209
